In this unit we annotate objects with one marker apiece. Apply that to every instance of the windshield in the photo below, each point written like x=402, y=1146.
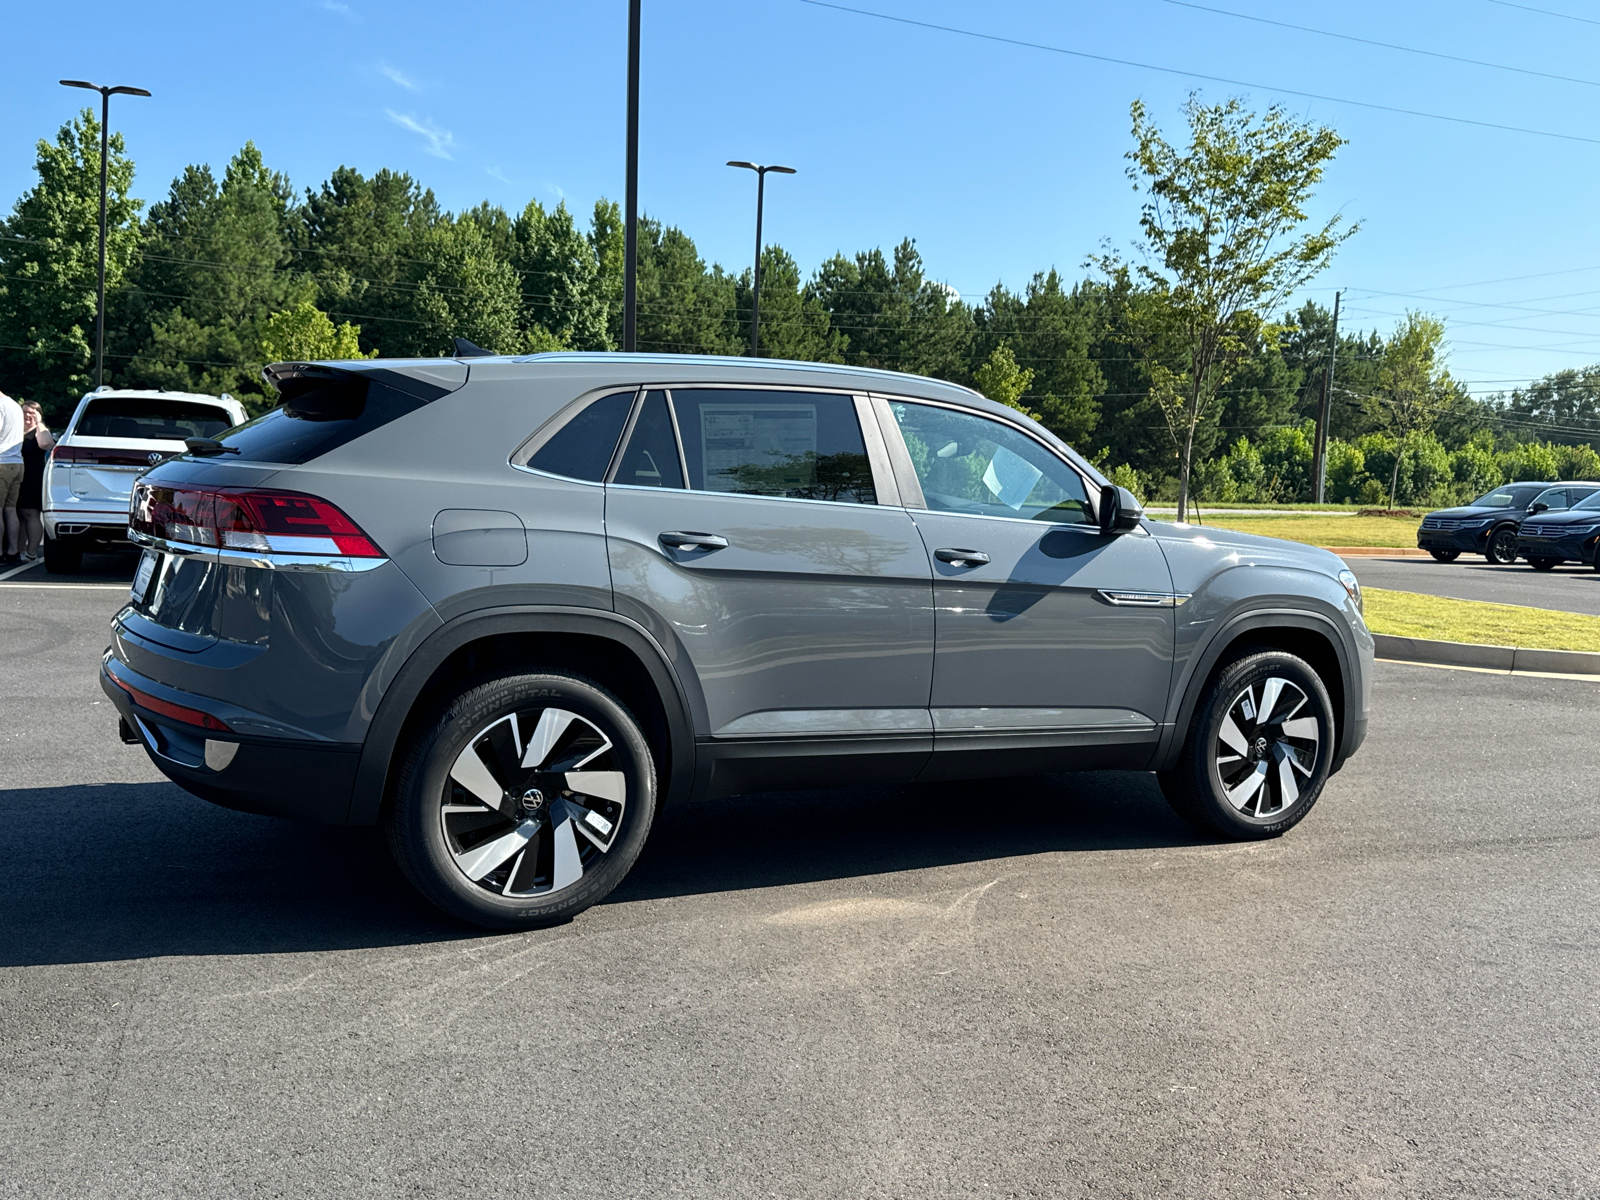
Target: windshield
x=1507, y=498
x=1591, y=501
x=150, y=417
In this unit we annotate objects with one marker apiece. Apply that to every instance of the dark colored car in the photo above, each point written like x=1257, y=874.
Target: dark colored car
x=1488, y=526
x=509, y=607
x=1548, y=538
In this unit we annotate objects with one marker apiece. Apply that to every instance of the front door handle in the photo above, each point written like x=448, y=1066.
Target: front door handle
x=961, y=558
x=694, y=541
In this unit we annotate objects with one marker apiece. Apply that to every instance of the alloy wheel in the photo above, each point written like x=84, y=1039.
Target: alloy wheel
x=532, y=801
x=1503, y=546
x=1264, y=749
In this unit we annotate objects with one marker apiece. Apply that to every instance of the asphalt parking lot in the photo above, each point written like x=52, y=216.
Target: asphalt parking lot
x=1570, y=587
x=1035, y=988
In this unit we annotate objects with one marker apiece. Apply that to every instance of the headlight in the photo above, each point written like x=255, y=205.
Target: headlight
x=1353, y=586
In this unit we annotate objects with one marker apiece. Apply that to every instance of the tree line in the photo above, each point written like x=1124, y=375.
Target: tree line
x=222, y=275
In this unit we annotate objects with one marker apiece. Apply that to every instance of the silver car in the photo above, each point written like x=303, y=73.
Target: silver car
x=509, y=607
x=113, y=436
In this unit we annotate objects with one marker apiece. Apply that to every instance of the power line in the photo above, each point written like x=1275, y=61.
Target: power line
x=1125, y=62
x=1476, y=62
x=1545, y=12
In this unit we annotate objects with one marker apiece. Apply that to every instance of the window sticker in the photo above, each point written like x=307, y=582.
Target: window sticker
x=779, y=440
x=1011, y=477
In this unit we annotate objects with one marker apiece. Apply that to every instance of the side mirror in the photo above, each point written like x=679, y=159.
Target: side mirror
x=1537, y=507
x=1119, y=510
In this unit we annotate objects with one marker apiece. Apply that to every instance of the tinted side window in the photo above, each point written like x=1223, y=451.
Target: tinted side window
x=582, y=448
x=650, y=458
x=149, y=417
x=803, y=445
x=970, y=464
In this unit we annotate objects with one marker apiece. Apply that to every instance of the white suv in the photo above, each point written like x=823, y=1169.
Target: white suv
x=113, y=437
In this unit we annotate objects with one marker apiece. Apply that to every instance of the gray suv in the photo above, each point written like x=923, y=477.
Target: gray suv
x=509, y=607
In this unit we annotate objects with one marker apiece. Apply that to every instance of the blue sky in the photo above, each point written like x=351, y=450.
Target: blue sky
x=1000, y=160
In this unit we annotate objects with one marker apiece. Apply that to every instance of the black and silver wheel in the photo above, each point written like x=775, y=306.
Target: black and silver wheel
x=527, y=801
x=1502, y=546
x=1445, y=555
x=1544, y=564
x=1258, y=748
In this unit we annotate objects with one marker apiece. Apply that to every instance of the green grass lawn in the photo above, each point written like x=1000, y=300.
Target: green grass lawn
x=1408, y=614
x=1315, y=530
x=1205, y=506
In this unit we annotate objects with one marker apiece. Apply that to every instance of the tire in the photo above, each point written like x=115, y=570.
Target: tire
x=62, y=557
x=504, y=846
x=1291, y=755
x=1502, y=546
x=1543, y=564
x=1445, y=555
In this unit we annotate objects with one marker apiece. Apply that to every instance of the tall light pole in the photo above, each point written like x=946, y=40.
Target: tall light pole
x=630, y=233
x=755, y=290
x=105, y=144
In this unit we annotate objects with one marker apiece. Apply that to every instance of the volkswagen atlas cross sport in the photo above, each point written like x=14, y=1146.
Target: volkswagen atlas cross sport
x=508, y=607
x=112, y=437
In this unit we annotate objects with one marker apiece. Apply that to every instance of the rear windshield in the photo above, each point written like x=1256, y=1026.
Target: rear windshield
x=319, y=420
x=149, y=417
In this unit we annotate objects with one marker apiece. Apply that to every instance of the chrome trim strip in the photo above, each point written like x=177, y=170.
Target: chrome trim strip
x=266, y=560
x=1145, y=599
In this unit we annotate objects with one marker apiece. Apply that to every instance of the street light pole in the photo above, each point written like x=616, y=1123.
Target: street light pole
x=105, y=149
x=630, y=234
x=755, y=289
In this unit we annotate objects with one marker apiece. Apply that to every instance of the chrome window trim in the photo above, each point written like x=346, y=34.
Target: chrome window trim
x=270, y=561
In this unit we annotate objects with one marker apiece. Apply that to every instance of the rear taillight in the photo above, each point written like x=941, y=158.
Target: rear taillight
x=258, y=519
x=100, y=456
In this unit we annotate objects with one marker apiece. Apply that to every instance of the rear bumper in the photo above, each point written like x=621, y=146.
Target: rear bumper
x=275, y=777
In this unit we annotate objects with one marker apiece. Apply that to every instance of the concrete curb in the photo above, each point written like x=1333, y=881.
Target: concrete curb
x=1377, y=551
x=1488, y=658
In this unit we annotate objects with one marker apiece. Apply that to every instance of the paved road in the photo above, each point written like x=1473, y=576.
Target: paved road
x=1570, y=588
x=1030, y=989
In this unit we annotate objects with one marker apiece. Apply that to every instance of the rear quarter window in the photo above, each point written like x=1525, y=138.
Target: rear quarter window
x=151, y=418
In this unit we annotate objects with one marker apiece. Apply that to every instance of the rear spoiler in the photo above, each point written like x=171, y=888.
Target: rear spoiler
x=425, y=380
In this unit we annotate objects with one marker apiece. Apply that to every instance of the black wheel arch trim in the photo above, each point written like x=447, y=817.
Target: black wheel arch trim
x=399, y=698
x=1202, y=663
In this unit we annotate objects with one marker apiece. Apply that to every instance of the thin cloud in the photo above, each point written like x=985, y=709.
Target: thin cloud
x=440, y=141
x=338, y=7
x=496, y=173
x=396, y=76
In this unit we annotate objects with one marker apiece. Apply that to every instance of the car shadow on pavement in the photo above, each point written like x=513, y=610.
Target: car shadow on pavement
x=802, y=837
x=119, y=871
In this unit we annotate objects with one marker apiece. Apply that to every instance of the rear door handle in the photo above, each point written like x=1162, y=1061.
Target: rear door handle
x=694, y=541
x=961, y=558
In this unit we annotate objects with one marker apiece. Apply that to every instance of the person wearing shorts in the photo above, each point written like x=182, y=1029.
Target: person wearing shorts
x=11, y=471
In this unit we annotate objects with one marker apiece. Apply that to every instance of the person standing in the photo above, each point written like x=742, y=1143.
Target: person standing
x=10, y=480
x=37, y=441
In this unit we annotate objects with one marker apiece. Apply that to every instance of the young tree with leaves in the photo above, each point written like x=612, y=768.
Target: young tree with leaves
x=1413, y=384
x=1225, y=242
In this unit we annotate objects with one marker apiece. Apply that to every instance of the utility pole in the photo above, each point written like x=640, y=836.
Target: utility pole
x=755, y=278
x=1319, y=464
x=630, y=237
x=105, y=148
